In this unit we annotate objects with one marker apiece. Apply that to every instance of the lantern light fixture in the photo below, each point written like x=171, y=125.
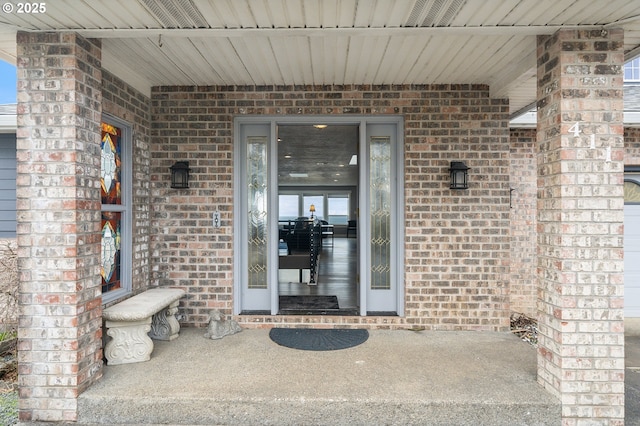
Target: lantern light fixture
x=180, y=175
x=459, y=173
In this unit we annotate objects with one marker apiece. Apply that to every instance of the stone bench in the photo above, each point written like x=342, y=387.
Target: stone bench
x=132, y=324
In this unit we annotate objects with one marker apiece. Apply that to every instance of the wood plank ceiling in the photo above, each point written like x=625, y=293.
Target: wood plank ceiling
x=289, y=42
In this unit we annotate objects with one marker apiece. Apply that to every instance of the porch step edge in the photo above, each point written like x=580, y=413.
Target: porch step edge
x=206, y=411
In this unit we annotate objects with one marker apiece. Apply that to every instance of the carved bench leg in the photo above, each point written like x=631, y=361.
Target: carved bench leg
x=129, y=342
x=164, y=324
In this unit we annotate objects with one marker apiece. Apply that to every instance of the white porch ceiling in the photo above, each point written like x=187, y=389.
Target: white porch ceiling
x=298, y=42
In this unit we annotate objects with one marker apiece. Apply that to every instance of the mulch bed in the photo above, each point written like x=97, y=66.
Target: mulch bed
x=8, y=367
x=525, y=327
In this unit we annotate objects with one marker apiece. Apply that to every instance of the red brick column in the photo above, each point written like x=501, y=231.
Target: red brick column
x=60, y=324
x=580, y=223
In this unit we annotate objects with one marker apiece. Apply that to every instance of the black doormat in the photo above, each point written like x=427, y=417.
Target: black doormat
x=308, y=303
x=311, y=339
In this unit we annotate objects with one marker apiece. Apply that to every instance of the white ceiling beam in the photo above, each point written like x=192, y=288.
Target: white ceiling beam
x=274, y=32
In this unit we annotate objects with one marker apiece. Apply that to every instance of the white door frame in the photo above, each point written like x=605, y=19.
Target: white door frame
x=363, y=220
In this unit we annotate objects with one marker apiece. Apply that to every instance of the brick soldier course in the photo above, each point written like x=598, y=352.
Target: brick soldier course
x=467, y=262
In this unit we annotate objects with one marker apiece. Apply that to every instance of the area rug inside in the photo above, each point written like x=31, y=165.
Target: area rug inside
x=310, y=339
x=308, y=302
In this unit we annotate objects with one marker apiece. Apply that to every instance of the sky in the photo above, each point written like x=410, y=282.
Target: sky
x=7, y=83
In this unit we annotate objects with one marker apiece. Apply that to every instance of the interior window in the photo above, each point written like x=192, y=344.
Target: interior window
x=288, y=207
x=317, y=201
x=338, y=207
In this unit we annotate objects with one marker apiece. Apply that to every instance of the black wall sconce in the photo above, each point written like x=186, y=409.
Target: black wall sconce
x=459, y=175
x=180, y=175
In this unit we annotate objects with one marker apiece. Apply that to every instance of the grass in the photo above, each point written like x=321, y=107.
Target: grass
x=7, y=335
x=8, y=408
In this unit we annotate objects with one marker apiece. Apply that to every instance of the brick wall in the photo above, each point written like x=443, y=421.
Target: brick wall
x=457, y=243
x=58, y=203
x=632, y=146
x=580, y=224
x=126, y=103
x=523, y=282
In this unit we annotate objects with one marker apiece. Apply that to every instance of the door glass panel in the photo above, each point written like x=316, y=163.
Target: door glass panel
x=380, y=214
x=257, y=214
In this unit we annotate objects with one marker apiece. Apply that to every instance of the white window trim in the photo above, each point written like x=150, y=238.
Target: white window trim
x=634, y=63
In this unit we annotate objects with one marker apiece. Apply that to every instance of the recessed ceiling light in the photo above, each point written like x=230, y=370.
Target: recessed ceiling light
x=337, y=174
x=287, y=156
x=320, y=126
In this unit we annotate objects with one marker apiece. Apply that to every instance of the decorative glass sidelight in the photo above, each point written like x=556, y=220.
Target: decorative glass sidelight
x=380, y=213
x=257, y=215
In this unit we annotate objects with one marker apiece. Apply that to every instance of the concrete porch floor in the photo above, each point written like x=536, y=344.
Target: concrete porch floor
x=395, y=378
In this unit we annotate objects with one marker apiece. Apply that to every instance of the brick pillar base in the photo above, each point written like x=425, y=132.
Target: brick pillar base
x=580, y=223
x=58, y=196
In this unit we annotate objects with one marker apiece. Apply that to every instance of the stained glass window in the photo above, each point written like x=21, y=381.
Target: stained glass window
x=110, y=251
x=111, y=160
x=115, y=211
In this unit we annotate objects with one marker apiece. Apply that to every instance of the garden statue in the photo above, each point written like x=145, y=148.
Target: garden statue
x=219, y=326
